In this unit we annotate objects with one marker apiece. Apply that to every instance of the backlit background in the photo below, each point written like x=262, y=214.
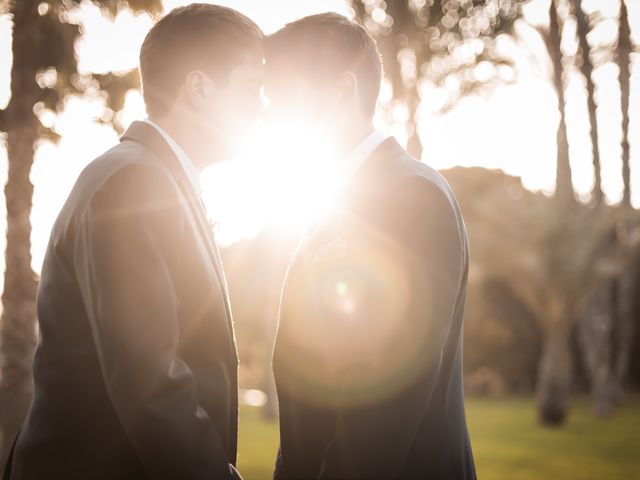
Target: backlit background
x=476, y=89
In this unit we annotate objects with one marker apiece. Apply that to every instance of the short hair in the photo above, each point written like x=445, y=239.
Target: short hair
x=322, y=46
x=199, y=36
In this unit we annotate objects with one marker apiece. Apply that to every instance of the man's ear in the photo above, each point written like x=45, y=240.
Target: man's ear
x=347, y=86
x=198, y=87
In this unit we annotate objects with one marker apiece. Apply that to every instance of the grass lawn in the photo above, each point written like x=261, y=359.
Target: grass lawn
x=508, y=444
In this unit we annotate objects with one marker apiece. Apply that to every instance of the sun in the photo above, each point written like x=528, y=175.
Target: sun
x=285, y=176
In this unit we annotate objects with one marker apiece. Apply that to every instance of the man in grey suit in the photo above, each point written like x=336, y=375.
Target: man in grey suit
x=136, y=368
x=368, y=354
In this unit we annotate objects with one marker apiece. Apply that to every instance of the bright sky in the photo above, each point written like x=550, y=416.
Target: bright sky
x=513, y=130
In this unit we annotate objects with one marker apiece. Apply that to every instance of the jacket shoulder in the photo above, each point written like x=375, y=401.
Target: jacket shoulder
x=423, y=176
x=127, y=155
x=428, y=194
x=124, y=170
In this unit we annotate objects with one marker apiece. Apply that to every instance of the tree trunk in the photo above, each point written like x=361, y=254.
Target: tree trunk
x=605, y=333
x=554, y=376
x=564, y=187
x=18, y=331
x=587, y=71
x=628, y=285
x=595, y=335
x=18, y=334
x=624, y=64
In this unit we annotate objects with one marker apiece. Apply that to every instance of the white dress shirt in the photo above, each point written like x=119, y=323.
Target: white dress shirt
x=186, y=163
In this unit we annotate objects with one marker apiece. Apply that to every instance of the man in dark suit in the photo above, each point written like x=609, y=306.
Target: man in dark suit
x=368, y=355
x=136, y=368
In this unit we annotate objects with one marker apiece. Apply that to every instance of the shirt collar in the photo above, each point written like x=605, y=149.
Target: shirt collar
x=186, y=163
x=363, y=151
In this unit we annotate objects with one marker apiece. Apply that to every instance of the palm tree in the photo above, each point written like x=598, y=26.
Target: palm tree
x=43, y=41
x=563, y=273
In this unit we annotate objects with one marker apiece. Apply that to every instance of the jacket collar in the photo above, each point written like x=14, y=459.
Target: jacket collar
x=185, y=162
x=363, y=151
x=144, y=134
x=375, y=166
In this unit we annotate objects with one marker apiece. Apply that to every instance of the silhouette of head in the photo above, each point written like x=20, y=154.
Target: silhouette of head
x=201, y=65
x=324, y=70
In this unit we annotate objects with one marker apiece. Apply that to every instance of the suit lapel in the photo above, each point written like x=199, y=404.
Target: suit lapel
x=148, y=136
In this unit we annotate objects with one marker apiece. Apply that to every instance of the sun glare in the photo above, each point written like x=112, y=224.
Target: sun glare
x=286, y=176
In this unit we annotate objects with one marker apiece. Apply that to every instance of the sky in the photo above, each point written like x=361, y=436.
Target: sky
x=514, y=129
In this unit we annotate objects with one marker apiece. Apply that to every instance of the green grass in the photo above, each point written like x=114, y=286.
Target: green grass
x=507, y=441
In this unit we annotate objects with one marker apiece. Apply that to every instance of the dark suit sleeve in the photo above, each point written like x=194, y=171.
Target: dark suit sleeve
x=125, y=258
x=420, y=234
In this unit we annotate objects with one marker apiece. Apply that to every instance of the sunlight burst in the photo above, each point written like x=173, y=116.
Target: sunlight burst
x=286, y=176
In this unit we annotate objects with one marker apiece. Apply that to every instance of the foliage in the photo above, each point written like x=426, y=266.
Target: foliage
x=451, y=43
x=550, y=258
x=51, y=58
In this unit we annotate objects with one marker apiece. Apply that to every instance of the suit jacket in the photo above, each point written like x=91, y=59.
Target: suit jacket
x=368, y=354
x=136, y=368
